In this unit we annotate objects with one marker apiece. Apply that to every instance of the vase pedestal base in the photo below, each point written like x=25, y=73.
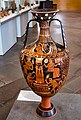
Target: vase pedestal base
x=45, y=108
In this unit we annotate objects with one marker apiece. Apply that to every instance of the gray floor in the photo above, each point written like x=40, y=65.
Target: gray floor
x=11, y=77
x=68, y=107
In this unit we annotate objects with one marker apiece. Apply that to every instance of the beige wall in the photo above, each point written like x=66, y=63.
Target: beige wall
x=68, y=4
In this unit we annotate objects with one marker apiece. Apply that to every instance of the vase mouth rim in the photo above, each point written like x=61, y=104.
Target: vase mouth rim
x=44, y=11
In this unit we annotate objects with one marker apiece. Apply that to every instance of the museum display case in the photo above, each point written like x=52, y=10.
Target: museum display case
x=13, y=22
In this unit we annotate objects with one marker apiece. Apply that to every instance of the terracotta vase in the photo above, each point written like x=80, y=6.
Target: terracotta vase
x=44, y=62
x=26, y=3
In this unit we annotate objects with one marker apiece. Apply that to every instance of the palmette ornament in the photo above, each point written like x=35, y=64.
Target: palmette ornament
x=44, y=62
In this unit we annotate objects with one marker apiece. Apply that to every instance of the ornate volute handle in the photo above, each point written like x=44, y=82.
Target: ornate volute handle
x=62, y=32
x=26, y=34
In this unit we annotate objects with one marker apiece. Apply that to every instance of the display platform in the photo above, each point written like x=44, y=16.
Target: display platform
x=68, y=107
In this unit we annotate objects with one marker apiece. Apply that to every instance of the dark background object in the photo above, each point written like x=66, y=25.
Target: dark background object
x=42, y=5
x=55, y=6
x=47, y=4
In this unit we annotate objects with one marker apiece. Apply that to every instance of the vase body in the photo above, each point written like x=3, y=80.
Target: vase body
x=45, y=64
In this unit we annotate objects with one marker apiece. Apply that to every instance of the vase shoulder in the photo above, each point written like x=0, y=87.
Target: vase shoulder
x=38, y=49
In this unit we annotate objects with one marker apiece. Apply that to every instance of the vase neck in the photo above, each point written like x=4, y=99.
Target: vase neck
x=44, y=35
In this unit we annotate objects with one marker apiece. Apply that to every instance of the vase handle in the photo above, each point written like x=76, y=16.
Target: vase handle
x=62, y=32
x=26, y=34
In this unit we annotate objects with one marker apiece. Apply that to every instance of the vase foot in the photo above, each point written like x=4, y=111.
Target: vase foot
x=46, y=112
